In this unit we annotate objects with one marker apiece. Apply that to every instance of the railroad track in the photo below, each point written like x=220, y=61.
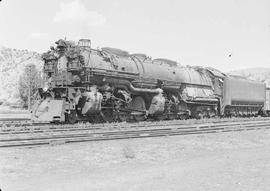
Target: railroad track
x=9, y=122
x=20, y=126
x=56, y=136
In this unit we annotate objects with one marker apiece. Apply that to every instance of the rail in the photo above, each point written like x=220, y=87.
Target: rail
x=52, y=135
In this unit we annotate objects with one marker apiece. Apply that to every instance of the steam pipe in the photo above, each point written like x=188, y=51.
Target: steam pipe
x=127, y=84
x=146, y=90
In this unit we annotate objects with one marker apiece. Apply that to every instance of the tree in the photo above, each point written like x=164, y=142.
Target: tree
x=28, y=85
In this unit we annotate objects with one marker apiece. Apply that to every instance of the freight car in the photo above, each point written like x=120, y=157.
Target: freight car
x=82, y=83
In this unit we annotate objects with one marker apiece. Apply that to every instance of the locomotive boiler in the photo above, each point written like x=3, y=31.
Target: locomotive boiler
x=82, y=83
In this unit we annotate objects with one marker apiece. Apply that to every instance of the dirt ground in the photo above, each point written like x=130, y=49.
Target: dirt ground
x=225, y=161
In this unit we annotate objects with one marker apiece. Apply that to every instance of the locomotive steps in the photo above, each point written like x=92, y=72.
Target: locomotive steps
x=62, y=135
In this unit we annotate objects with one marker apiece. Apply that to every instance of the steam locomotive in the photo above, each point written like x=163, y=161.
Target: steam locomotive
x=107, y=85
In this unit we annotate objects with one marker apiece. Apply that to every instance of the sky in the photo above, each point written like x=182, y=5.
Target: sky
x=224, y=34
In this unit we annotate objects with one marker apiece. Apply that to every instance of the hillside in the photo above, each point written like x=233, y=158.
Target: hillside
x=12, y=63
x=259, y=74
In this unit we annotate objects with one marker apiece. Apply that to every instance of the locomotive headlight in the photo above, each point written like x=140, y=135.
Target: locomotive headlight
x=45, y=88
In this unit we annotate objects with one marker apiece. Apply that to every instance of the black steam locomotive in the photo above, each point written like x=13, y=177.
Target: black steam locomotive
x=82, y=83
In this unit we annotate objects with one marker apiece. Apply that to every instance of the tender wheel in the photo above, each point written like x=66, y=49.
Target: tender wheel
x=72, y=117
